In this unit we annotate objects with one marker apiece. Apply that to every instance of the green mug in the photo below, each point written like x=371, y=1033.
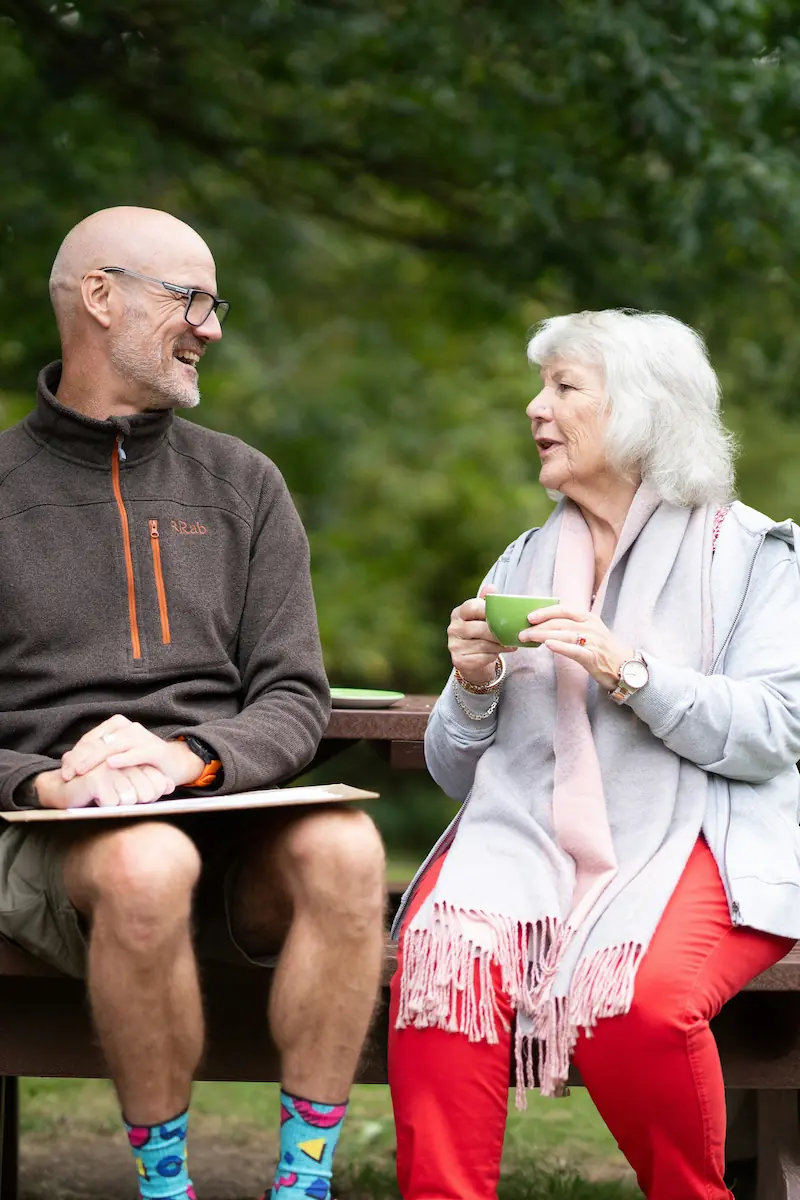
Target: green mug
x=507, y=616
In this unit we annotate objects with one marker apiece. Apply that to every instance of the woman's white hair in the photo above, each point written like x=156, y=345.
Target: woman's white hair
x=663, y=399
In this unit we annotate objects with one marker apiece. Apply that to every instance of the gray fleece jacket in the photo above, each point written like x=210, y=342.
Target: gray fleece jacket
x=740, y=722
x=156, y=569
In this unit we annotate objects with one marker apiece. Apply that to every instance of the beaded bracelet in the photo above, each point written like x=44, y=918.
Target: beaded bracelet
x=484, y=689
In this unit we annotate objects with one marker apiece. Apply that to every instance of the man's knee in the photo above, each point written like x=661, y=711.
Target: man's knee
x=335, y=860
x=138, y=878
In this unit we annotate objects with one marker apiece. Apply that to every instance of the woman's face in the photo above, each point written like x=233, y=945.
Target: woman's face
x=568, y=423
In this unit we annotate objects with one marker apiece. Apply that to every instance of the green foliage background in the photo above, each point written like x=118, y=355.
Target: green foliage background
x=395, y=190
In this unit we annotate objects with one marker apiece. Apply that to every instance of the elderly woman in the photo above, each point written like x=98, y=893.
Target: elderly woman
x=627, y=855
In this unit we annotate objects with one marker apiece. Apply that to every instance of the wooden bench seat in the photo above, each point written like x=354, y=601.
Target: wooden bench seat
x=45, y=1030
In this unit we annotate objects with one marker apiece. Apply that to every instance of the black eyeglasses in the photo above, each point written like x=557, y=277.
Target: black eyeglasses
x=199, y=304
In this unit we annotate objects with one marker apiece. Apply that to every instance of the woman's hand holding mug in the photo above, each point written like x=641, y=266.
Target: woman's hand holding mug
x=472, y=645
x=581, y=636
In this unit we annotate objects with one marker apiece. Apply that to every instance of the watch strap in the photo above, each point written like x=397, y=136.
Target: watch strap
x=211, y=764
x=25, y=794
x=622, y=691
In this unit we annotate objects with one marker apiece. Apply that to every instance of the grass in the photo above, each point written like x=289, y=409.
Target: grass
x=402, y=869
x=531, y=1184
x=558, y=1150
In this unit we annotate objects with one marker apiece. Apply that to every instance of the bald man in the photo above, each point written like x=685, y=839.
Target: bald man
x=159, y=637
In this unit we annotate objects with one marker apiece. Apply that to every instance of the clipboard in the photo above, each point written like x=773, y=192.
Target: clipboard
x=333, y=793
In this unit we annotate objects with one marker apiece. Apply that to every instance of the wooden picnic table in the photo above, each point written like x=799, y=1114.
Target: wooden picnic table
x=396, y=732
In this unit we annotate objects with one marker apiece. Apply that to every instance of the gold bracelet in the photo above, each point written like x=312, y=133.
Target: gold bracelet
x=484, y=689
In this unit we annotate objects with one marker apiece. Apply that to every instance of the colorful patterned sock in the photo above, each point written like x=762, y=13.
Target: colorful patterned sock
x=309, y=1133
x=160, y=1155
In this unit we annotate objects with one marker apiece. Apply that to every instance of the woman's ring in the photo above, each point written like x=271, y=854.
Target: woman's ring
x=581, y=641
x=128, y=796
x=107, y=738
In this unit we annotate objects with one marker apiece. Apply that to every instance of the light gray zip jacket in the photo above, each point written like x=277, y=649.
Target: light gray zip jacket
x=740, y=722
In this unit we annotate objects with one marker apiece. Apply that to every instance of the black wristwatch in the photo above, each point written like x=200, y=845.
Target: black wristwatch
x=201, y=749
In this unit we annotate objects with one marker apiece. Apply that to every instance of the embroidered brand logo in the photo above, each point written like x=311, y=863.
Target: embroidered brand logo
x=186, y=527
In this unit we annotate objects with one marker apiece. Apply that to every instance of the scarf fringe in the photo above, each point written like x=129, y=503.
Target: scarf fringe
x=447, y=983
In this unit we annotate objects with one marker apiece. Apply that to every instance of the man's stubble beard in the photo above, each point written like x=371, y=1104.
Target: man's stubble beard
x=140, y=363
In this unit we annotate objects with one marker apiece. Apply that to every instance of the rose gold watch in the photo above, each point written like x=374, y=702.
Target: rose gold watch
x=633, y=675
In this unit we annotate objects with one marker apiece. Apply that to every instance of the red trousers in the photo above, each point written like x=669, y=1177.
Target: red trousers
x=654, y=1074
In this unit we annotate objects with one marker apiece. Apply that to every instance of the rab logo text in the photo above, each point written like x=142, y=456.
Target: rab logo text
x=185, y=527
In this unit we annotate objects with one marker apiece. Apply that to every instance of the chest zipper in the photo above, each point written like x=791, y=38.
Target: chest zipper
x=163, y=611
x=117, y=457
x=736, y=912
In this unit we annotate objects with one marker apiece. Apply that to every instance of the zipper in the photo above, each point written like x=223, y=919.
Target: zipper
x=155, y=545
x=736, y=912
x=735, y=621
x=116, y=458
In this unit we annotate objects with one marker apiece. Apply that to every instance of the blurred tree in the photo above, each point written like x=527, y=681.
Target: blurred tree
x=395, y=190
x=612, y=150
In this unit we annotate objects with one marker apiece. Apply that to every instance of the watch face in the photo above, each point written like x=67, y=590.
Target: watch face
x=634, y=674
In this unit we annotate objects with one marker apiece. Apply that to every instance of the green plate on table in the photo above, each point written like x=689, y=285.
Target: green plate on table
x=363, y=698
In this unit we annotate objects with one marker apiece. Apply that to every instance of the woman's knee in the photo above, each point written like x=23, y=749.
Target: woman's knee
x=653, y=1025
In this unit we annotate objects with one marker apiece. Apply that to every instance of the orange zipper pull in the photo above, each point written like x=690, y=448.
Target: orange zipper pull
x=116, y=459
x=155, y=546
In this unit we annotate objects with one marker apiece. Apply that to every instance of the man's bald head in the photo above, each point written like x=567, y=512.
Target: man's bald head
x=141, y=239
x=125, y=330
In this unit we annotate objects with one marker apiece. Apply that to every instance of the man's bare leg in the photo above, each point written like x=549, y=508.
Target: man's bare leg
x=316, y=886
x=314, y=882
x=134, y=884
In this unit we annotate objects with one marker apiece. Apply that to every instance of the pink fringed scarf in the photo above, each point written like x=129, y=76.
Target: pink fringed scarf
x=580, y=821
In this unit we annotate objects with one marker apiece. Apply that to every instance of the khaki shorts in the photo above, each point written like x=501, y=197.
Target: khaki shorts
x=35, y=911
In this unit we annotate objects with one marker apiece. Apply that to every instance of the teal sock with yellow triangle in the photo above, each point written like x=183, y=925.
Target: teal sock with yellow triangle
x=309, y=1134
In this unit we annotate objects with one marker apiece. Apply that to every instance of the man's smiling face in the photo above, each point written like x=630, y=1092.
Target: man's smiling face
x=151, y=345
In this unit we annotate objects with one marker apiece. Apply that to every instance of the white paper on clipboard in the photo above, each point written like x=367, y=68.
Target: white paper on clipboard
x=272, y=798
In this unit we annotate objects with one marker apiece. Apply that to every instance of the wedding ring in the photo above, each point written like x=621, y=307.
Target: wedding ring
x=107, y=738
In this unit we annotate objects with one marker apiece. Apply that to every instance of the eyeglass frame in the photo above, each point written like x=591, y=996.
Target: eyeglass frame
x=179, y=290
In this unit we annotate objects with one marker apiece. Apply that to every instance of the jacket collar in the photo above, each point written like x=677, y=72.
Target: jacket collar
x=83, y=439
x=757, y=523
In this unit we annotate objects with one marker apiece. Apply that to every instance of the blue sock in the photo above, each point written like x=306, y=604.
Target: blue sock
x=309, y=1133
x=160, y=1155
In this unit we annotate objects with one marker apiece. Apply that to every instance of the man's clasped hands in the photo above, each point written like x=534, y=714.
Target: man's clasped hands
x=118, y=762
